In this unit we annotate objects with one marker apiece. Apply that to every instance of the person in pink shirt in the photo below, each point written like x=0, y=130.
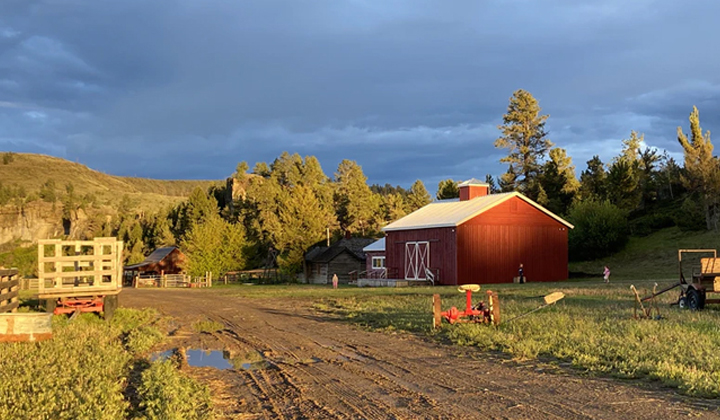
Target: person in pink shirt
x=606, y=274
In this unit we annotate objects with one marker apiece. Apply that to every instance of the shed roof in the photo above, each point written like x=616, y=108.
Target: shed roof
x=454, y=213
x=326, y=254
x=376, y=246
x=154, y=257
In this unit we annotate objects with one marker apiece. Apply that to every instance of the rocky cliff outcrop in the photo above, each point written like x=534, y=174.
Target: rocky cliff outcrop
x=41, y=220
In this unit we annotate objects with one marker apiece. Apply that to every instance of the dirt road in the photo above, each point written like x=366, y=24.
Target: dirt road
x=319, y=368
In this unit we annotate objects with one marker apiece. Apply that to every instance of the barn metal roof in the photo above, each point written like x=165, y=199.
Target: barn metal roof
x=454, y=213
x=154, y=258
x=376, y=246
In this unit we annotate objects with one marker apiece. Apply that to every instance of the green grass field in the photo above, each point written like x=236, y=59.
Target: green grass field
x=592, y=329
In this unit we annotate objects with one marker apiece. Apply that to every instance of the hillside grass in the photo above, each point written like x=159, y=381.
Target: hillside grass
x=31, y=171
x=652, y=257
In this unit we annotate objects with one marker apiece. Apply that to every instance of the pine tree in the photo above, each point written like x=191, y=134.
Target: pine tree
x=701, y=168
x=447, y=188
x=508, y=180
x=354, y=202
x=593, y=180
x=492, y=186
x=558, y=185
x=524, y=135
x=418, y=197
x=392, y=207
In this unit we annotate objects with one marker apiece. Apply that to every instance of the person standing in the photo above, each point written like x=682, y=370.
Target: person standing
x=606, y=274
x=335, y=281
x=521, y=274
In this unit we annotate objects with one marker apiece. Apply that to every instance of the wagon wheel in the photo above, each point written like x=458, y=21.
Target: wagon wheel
x=694, y=300
x=682, y=302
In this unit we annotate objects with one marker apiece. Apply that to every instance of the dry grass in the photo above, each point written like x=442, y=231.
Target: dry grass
x=31, y=171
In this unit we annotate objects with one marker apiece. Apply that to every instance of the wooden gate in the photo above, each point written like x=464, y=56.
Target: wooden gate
x=417, y=259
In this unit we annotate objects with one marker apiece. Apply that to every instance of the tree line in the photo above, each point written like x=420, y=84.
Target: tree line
x=290, y=204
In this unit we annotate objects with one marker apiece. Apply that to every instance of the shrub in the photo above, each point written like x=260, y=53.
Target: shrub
x=645, y=225
x=601, y=229
x=690, y=216
x=168, y=394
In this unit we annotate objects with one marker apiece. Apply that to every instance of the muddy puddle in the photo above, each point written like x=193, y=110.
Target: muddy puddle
x=217, y=359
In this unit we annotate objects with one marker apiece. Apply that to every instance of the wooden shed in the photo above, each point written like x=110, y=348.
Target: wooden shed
x=478, y=238
x=167, y=260
x=344, y=257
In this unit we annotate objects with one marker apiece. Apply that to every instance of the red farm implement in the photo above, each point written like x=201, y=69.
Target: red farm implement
x=481, y=313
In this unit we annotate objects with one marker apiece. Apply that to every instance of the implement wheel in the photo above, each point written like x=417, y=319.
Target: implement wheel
x=694, y=300
x=682, y=302
x=110, y=303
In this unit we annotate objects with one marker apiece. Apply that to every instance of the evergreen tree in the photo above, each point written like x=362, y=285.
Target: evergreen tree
x=447, y=188
x=261, y=169
x=286, y=169
x=593, y=180
x=702, y=174
x=524, y=135
x=418, y=197
x=392, y=207
x=354, y=202
x=303, y=221
x=558, y=184
x=508, y=180
x=198, y=207
x=492, y=186
x=622, y=185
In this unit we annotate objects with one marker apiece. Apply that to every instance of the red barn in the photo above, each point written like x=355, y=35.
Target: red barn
x=480, y=238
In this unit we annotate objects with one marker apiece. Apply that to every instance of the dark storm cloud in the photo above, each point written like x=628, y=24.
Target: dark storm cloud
x=409, y=89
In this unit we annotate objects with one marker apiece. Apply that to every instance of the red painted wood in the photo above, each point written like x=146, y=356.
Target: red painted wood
x=468, y=192
x=492, y=246
x=442, y=252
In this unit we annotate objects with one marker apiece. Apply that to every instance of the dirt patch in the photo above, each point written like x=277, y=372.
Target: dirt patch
x=312, y=367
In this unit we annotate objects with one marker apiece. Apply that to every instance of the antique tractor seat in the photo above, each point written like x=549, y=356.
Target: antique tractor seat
x=471, y=287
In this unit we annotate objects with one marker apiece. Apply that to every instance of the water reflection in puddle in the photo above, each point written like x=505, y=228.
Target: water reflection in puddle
x=217, y=359
x=211, y=358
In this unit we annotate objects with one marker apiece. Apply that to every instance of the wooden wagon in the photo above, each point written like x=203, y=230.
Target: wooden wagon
x=80, y=276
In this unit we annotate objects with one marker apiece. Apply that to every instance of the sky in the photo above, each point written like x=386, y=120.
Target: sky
x=186, y=89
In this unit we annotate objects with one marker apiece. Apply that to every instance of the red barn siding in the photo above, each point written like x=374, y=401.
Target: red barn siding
x=492, y=245
x=443, y=255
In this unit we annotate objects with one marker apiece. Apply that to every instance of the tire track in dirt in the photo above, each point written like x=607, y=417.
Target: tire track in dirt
x=323, y=369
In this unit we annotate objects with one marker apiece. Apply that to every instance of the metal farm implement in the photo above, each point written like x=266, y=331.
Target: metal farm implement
x=704, y=279
x=480, y=313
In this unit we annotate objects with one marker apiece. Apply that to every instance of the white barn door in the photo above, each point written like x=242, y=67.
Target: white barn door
x=417, y=259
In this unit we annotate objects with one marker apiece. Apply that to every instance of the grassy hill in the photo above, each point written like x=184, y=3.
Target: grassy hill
x=652, y=257
x=31, y=171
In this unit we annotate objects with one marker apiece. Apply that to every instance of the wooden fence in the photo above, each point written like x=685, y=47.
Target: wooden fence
x=9, y=291
x=172, y=281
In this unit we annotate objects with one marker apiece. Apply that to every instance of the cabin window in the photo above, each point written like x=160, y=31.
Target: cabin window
x=378, y=262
